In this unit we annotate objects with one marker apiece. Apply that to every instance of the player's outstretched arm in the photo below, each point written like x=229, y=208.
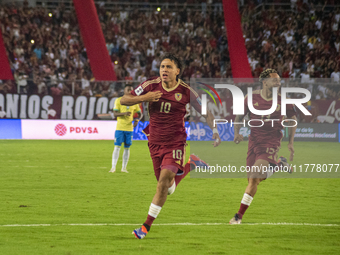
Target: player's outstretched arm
x=116, y=114
x=237, y=137
x=291, y=134
x=210, y=121
x=136, y=120
x=148, y=97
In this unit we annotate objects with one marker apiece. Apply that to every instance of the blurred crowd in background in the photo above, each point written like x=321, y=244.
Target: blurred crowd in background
x=47, y=54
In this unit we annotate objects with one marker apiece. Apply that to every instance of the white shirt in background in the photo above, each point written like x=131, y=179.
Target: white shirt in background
x=305, y=78
x=336, y=76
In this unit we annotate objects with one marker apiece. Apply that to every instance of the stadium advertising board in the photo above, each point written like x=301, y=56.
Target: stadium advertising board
x=202, y=132
x=68, y=129
x=15, y=106
x=24, y=106
x=326, y=111
x=138, y=133
x=315, y=132
x=10, y=129
x=309, y=132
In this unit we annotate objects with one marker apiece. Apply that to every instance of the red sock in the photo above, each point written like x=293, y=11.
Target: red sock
x=242, y=210
x=149, y=220
x=186, y=170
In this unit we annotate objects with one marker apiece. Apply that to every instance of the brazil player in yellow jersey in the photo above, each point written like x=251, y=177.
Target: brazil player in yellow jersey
x=124, y=130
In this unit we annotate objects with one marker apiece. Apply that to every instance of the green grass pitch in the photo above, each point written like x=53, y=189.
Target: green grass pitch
x=60, y=183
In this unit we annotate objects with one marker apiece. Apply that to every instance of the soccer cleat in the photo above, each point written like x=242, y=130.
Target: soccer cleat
x=235, y=220
x=283, y=161
x=196, y=162
x=112, y=170
x=140, y=233
x=124, y=171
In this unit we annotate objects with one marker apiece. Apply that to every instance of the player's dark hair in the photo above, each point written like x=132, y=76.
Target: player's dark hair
x=266, y=74
x=128, y=85
x=176, y=59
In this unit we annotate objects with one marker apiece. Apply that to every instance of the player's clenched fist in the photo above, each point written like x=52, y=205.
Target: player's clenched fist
x=238, y=138
x=153, y=96
x=217, y=139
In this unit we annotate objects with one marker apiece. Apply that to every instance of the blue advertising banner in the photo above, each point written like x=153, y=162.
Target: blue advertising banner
x=139, y=135
x=195, y=131
x=138, y=131
x=10, y=129
x=202, y=132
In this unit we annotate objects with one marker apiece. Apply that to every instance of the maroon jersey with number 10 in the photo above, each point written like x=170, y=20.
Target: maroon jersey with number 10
x=167, y=114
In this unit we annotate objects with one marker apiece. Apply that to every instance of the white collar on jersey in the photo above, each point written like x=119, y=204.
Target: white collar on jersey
x=173, y=88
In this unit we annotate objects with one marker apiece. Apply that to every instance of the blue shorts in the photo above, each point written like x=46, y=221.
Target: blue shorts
x=123, y=137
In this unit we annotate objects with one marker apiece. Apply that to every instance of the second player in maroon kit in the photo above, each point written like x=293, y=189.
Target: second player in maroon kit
x=167, y=96
x=264, y=141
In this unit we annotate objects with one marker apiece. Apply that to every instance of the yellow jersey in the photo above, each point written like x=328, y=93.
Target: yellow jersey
x=124, y=123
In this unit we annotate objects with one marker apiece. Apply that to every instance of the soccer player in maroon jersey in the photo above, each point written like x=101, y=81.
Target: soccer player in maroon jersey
x=167, y=96
x=265, y=141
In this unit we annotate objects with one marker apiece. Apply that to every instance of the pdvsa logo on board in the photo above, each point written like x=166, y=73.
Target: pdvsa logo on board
x=84, y=130
x=61, y=130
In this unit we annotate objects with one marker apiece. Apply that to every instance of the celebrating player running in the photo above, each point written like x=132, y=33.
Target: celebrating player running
x=167, y=96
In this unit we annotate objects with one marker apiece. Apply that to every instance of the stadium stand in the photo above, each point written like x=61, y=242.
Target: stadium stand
x=299, y=38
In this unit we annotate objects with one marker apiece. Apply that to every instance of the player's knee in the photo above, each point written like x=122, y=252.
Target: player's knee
x=162, y=186
x=254, y=181
x=164, y=183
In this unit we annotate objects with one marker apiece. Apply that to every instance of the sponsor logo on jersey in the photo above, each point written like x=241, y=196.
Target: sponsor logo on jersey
x=178, y=96
x=139, y=90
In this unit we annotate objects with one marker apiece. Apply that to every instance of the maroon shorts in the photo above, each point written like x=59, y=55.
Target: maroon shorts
x=169, y=157
x=266, y=151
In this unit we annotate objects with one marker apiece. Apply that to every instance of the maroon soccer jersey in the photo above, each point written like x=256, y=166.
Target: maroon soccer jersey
x=167, y=115
x=272, y=123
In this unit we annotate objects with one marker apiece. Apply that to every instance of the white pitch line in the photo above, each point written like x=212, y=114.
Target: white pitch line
x=172, y=224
